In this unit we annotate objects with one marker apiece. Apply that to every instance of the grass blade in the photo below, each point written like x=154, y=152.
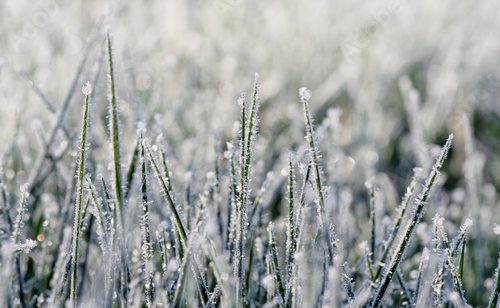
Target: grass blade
x=114, y=132
x=424, y=260
x=496, y=291
x=291, y=244
x=305, y=96
x=16, y=237
x=238, y=255
x=146, y=250
x=164, y=186
x=373, y=224
x=114, y=127
x=131, y=169
x=461, y=262
x=79, y=196
x=274, y=261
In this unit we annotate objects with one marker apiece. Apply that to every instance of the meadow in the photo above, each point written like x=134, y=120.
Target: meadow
x=249, y=154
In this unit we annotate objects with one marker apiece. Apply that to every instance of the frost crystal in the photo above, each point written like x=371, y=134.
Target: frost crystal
x=467, y=224
x=496, y=229
x=305, y=93
x=211, y=179
x=87, y=89
x=268, y=282
x=27, y=246
x=241, y=98
x=162, y=226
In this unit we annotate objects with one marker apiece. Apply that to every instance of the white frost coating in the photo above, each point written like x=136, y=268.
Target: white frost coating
x=87, y=89
x=438, y=220
x=162, y=226
x=363, y=245
x=466, y=225
x=211, y=179
x=241, y=98
x=425, y=254
x=496, y=229
x=27, y=246
x=268, y=282
x=305, y=93
x=141, y=128
x=173, y=265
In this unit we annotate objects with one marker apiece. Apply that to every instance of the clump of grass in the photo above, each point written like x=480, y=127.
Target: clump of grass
x=449, y=258
x=248, y=132
x=401, y=210
x=415, y=219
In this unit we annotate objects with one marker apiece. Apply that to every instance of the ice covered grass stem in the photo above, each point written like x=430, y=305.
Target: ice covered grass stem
x=496, y=290
x=248, y=134
x=291, y=244
x=240, y=208
x=87, y=90
x=114, y=132
x=146, y=249
x=16, y=238
x=305, y=96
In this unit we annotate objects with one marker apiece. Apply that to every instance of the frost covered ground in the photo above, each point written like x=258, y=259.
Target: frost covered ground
x=145, y=163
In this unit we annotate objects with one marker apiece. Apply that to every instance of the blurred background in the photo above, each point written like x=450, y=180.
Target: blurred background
x=389, y=80
x=387, y=66
x=175, y=54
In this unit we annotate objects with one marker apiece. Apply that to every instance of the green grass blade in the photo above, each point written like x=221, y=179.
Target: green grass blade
x=100, y=216
x=305, y=96
x=114, y=132
x=373, y=225
x=461, y=262
x=131, y=169
x=368, y=262
x=274, y=261
x=16, y=237
x=168, y=196
x=146, y=251
x=166, y=171
x=253, y=122
x=238, y=255
x=79, y=196
x=496, y=290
